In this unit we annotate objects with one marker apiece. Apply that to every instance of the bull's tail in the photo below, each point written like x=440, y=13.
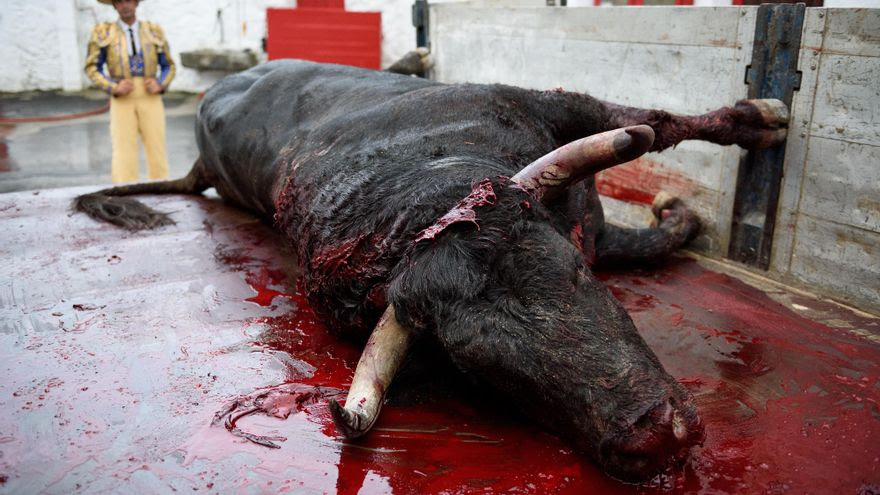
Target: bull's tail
x=110, y=205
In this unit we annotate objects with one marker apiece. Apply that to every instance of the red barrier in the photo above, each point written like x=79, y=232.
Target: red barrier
x=322, y=32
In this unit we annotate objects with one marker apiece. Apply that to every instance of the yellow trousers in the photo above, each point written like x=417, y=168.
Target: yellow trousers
x=137, y=113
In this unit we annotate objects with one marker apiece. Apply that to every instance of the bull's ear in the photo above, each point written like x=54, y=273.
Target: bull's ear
x=379, y=362
x=554, y=172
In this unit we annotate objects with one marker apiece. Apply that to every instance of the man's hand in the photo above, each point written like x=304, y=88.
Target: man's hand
x=153, y=86
x=123, y=87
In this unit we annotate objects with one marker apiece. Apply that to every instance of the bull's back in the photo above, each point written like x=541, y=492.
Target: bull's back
x=249, y=123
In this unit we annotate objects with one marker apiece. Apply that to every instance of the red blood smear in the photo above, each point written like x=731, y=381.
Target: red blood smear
x=304, y=338
x=640, y=180
x=446, y=444
x=788, y=403
x=261, y=282
x=482, y=194
x=127, y=399
x=767, y=383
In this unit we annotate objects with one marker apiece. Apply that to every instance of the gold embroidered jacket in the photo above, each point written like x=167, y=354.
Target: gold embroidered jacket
x=108, y=45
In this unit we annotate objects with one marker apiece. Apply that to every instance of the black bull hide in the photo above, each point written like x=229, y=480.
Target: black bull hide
x=396, y=193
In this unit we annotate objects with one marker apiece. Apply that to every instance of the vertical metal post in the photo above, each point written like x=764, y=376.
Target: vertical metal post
x=772, y=74
x=420, y=21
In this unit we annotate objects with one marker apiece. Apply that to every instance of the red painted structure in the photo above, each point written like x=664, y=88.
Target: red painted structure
x=117, y=349
x=322, y=31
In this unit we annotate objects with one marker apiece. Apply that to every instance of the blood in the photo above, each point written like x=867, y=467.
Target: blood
x=788, y=403
x=640, y=180
x=442, y=443
x=767, y=384
x=482, y=194
x=261, y=282
x=351, y=258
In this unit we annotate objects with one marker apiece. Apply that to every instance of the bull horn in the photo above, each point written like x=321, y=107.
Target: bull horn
x=376, y=368
x=551, y=174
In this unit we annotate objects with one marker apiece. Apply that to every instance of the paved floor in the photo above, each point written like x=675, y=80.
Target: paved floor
x=118, y=348
x=41, y=155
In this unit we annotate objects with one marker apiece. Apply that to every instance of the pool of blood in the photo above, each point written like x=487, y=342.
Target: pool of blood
x=117, y=373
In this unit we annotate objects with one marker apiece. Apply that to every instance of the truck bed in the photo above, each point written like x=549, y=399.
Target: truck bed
x=185, y=359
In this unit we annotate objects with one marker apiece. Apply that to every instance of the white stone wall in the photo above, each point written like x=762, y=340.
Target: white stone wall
x=398, y=33
x=36, y=41
x=43, y=43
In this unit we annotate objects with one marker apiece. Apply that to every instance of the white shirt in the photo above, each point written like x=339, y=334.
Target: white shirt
x=134, y=29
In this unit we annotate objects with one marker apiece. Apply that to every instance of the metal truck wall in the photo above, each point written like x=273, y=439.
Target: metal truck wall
x=693, y=60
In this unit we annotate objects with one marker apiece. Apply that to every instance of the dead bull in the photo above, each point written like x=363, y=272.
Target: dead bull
x=465, y=216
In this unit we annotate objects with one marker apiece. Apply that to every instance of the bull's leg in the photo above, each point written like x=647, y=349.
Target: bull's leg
x=676, y=225
x=414, y=63
x=752, y=124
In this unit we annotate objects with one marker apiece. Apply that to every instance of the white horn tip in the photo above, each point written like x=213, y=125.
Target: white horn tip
x=349, y=423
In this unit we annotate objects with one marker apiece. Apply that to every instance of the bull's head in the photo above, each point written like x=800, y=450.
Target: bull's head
x=510, y=298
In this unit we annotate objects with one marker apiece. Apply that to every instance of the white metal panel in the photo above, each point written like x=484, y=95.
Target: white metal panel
x=683, y=60
x=797, y=142
x=853, y=31
x=838, y=260
x=711, y=26
x=729, y=165
x=847, y=103
x=836, y=242
x=842, y=183
x=682, y=57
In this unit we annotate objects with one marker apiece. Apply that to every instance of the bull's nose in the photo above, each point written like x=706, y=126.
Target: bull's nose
x=666, y=417
x=662, y=435
x=679, y=428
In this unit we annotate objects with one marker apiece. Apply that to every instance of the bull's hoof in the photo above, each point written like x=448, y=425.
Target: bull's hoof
x=773, y=112
x=761, y=123
x=663, y=201
x=773, y=138
x=671, y=214
x=424, y=57
x=413, y=63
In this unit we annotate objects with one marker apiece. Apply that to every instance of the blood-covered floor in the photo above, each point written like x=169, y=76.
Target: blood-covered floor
x=160, y=361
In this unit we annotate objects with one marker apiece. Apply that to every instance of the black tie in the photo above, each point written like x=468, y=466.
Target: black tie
x=133, y=48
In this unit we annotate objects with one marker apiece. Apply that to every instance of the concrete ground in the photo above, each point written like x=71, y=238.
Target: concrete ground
x=147, y=362
x=76, y=152
x=153, y=362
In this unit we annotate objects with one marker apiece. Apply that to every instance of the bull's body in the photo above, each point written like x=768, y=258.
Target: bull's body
x=396, y=194
x=363, y=161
